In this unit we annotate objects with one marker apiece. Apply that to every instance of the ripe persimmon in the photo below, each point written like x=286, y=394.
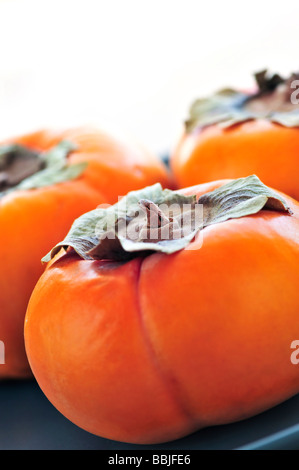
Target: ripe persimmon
x=148, y=329
x=47, y=179
x=233, y=133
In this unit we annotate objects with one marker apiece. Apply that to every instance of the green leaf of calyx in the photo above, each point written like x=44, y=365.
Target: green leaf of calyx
x=107, y=229
x=16, y=164
x=239, y=198
x=45, y=169
x=229, y=107
x=156, y=220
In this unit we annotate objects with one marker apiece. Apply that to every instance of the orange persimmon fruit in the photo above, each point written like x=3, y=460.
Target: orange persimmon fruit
x=145, y=337
x=47, y=179
x=233, y=133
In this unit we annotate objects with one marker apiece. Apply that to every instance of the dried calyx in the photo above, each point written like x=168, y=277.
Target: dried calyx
x=24, y=168
x=156, y=220
x=274, y=94
x=16, y=164
x=275, y=100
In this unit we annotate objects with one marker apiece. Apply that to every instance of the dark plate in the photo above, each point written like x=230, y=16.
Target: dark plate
x=29, y=421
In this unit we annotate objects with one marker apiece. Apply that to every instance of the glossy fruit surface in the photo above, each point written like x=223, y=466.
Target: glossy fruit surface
x=234, y=133
x=264, y=148
x=31, y=220
x=151, y=349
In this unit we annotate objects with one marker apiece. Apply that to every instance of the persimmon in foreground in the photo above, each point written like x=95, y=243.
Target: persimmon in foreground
x=47, y=179
x=233, y=133
x=143, y=329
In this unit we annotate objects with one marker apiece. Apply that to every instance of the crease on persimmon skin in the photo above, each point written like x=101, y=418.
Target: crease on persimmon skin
x=34, y=220
x=173, y=337
x=168, y=379
x=179, y=424
x=155, y=320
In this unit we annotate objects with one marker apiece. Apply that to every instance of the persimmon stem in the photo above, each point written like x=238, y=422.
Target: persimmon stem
x=154, y=215
x=16, y=164
x=169, y=220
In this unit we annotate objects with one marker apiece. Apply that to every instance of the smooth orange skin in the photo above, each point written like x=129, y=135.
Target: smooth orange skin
x=33, y=221
x=258, y=147
x=153, y=349
x=115, y=166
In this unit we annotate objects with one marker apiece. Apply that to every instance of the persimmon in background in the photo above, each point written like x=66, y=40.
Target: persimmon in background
x=147, y=340
x=47, y=179
x=233, y=133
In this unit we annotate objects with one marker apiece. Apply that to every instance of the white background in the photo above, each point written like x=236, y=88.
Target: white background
x=133, y=65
